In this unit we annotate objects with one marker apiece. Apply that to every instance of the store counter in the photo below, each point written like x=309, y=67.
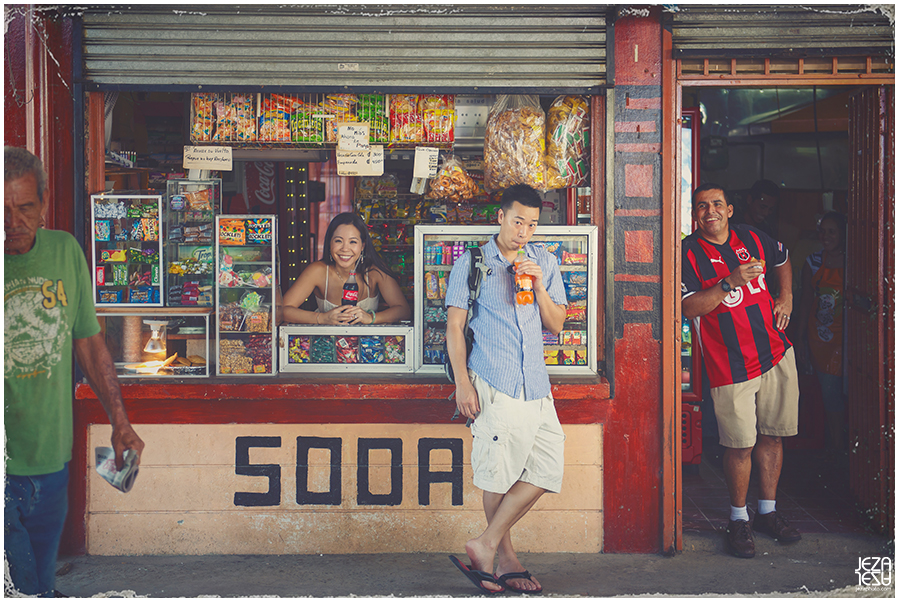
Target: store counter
x=305, y=464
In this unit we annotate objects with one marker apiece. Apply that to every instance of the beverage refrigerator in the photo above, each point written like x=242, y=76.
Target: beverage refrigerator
x=572, y=352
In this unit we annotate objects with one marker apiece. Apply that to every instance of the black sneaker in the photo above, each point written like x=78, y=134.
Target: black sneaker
x=775, y=525
x=739, y=538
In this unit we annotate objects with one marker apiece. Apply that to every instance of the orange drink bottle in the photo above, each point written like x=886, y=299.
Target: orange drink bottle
x=524, y=282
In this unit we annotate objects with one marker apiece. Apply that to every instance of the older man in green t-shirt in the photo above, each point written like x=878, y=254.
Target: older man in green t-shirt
x=48, y=313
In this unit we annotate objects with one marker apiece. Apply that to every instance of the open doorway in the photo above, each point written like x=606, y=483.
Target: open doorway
x=795, y=140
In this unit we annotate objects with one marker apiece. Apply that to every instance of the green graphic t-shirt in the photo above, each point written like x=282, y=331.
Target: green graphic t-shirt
x=47, y=301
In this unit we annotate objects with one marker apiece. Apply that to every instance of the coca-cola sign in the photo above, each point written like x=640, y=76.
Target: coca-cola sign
x=260, y=191
x=264, y=180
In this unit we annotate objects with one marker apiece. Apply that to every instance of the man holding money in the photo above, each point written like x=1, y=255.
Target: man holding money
x=48, y=314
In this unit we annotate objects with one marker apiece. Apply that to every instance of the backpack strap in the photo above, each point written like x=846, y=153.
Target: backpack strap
x=477, y=268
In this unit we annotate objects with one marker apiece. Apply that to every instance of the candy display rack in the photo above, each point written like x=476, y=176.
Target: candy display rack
x=189, y=260
x=351, y=349
x=245, y=294
x=127, y=248
x=277, y=120
x=571, y=352
x=157, y=342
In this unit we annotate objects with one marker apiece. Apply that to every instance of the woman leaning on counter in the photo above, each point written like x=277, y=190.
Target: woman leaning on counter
x=348, y=249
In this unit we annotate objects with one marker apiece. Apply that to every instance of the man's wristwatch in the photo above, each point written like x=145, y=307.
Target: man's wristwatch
x=725, y=286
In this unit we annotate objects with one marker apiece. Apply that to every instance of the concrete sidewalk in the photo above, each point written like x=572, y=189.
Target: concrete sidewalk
x=818, y=563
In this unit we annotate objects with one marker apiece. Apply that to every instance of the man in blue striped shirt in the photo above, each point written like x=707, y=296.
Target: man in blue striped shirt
x=517, y=450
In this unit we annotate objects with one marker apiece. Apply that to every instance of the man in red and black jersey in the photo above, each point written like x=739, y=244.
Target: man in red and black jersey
x=748, y=358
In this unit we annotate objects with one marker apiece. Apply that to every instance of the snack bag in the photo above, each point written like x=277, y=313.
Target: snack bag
x=244, y=117
x=452, y=182
x=437, y=112
x=225, y=121
x=232, y=232
x=202, y=121
x=406, y=122
x=373, y=109
x=514, y=143
x=275, y=121
x=567, y=142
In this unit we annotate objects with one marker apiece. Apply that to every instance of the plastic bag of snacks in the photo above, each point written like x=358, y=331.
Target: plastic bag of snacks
x=452, y=182
x=437, y=115
x=372, y=109
x=341, y=108
x=275, y=120
x=514, y=143
x=244, y=117
x=406, y=122
x=226, y=116
x=567, y=142
x=202, y=119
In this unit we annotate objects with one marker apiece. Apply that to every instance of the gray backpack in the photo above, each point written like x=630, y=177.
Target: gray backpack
x=477, y=269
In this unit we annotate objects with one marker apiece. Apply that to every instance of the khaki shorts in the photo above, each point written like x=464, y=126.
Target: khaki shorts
x=515, y=440
x=767, y=404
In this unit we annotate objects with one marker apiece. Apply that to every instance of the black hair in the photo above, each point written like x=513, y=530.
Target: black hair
x=522, y=193
x=765, y=187
x=841, y=221
x=370, y=257
x=709, y=186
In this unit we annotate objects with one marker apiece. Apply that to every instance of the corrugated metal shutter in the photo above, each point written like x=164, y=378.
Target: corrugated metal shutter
x=374, y=48
x=779, y=31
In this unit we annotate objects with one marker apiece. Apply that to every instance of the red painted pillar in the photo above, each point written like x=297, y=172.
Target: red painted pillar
x=632, y=447
x=39, y=99
x=15, y=94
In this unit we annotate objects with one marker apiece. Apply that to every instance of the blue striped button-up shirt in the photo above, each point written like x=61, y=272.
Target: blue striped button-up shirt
x=509, y=350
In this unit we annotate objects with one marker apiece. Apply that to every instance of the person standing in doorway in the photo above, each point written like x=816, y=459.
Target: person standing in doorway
x=748, y=357
x=504, y=389
x=48, y=313
x=821, y=315
x=761, y=208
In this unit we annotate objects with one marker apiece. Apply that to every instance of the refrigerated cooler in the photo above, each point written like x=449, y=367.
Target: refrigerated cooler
x=571, y=352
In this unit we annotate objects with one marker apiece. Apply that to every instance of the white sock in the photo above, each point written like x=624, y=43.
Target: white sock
x=740, y=513
x=765, y=507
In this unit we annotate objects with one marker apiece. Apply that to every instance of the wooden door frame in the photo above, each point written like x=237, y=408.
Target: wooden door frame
x=674, y=82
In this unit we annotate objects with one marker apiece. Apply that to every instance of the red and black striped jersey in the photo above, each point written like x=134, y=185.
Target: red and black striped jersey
x=738, y=339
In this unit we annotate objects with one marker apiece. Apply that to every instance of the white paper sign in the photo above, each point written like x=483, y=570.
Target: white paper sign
x=426, y=162
x=207, y=158
x=361, y=163
x=353, y=136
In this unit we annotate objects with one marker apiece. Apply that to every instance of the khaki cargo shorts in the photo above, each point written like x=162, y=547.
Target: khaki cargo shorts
x=767, y=404
x=515, y=440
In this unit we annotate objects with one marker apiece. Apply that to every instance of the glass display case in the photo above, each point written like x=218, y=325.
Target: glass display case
x=189, y=213
x=572, y=352
x=245, y=294
x=351, y=349
x=127, y=248
x=157, y=342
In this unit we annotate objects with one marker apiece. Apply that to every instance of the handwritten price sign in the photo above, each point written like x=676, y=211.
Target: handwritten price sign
x=207, y=158
x=361, y=163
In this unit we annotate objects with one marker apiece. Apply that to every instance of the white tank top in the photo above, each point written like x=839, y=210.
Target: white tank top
x=369, y=304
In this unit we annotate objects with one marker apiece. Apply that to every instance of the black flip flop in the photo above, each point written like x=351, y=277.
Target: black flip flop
x=526, y=575
x=477, y=576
